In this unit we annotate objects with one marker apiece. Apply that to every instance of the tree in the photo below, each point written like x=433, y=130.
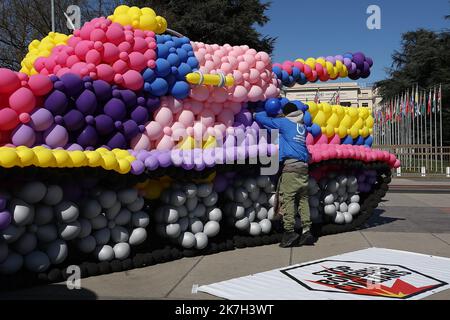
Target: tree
x=215, y=21
x=22, y=21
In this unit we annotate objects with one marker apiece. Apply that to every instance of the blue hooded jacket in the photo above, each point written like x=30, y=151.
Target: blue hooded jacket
x=292, y=137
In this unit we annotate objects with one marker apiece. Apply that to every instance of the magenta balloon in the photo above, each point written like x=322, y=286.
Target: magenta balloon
x=41, y=119
x=23, y=136
x=56, y=136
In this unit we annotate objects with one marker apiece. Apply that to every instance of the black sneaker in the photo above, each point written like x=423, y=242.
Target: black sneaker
x=289, y=239
x=307, y=239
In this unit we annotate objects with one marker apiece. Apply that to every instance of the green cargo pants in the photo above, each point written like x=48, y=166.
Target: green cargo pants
x=293, y=197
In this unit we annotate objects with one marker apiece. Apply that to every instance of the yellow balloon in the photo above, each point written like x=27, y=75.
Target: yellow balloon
x=8, y=157
x=124, y=166
x=44, y=158
x=134, y=11
x=109, y=161
x=369, y=121
x=62, y=158
x=342, y=131
x=146, y=11
x=364, y=132
x=26, y=155
x=187, y=143
x=354, y=132
x=94, y=158
x=329, y=131
x=333, y=120
x=210, y=142
x=320, y=119
x=321, y=61
x=326, y=108
x=312, y=108
x=148, y=22
x=122, y=9
x=123, y=18
x=78, y=158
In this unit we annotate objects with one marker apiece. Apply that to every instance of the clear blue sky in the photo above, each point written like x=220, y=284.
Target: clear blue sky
x=329, y=27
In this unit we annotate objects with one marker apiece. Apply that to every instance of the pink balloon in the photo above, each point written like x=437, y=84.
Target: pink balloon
x=220, y=94
x=93, y=56
x=200, y=93
x=207, y=118
x=133, y=80
x=140, y=142
x=226, y=117
x=153, y=130
x=239, y=94
x=309, y=139
x=255, y=94
x=334, y=139
x=105, y=72
x=22, y=100
x=40, y=85
x=137, y=61
x=165, y=143
x=216, y=108
x=187, y=118
x=235, y=107
x=9, y=81
x=164, y=116
x=110, y=52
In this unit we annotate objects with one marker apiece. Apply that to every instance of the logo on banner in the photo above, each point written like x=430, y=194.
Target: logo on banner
x=362, y=278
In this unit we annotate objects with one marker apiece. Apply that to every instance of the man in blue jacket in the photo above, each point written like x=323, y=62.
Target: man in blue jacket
x=293, y=183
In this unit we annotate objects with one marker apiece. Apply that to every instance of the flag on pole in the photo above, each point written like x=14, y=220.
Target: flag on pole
x=316, y=98
x=338, y=97
x=429, y=104
x=440, y=97
x=434, y=99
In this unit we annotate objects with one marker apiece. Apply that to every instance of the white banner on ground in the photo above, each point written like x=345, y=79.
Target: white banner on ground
x=373, y=273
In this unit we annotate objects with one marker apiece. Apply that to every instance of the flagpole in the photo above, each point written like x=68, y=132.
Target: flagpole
x=440, y=124
x=435, y=130
x=431, y=133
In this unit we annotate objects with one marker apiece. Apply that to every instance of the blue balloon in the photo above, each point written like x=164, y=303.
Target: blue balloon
x=291, y=81
x=283, y=101
x=347, y=140
x=162, y=50
x=160, y=39
x=368, y=141
x=182, y=54
x=302, y=80
x=359, y=141
x=277, y=70
x=159, y=87
x=307, y=119
x=272, y=107
x=180, y=90
x=170, y=79
x=187, y=47
x=315, y=130
x=170, y=43
x=192, y=62
x=284, y=76
x=183, y=70
x=162, y=68
x=149, y=75
x=296, y=72
x=300, y=105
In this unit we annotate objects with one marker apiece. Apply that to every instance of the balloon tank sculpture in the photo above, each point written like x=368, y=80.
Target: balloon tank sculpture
x=126, y=144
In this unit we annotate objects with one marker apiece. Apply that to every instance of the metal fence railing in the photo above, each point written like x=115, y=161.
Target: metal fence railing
x=422, y=160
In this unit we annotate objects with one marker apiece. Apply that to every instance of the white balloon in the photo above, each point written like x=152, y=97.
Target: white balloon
x=32, y=192
x=123, y=217
x=237, y=211
x=191, y=203
x=266, y=226
x=204, y=190
x=89, y=209
x=22, y=212
x=57, y=251
x=255, y=229
x=177, y=198
x=173, y=230
x=137, y=205
x=243, y=224
x=339, y=218
x=127, y=196
x=119, y=234
x=47, y=233
x=195, y=225
x=354, y=208
x=261, y=213
x=86, y=244
x=54, y=195
x=99, y=222
x=11, y=264
x=214, y=214
x=211, y=199
x=190, y=190
x=140, y=219
x=107, y=198
x=330, y=209
x=85, y=228
x=271, y=214
x=187, y=240
x=69, y=231
x=104, y=253
x=121, y=250
x=102, y=236
x=343, y=207
x=211, y=228
x=272, y=199
x=250, y=213
x=37, y=261
x=342, y=180
x=354, y=198
x=138, y=236
x=43, y=214
x=201, y=240
x=347, y=217
x=328, y=199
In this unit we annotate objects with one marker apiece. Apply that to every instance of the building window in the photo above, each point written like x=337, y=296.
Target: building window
x=346, y=104
x=365, y=104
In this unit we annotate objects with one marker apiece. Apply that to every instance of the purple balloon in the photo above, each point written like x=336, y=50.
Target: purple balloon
x=74, y=147
x=164, y=159
x=23, y=136
x=151, y=163
x=56, y=136
x=115, y=108
x=73, y=120
x=140, y=115
x=188, y=166
x=73, y=85
x=3, y=203
x=152, y=103
x=56, y=102
x=130, y=129
x=347, y=63
x=220, y=183
x=331, y=59
x=104, y=124
x=5, y=219
x=41, y=119
x=88, y=137
x=137, y=167
x=358, y=59
x=369, y=61
x=117, y=141
x=102, y=90
x=86, y=102
x=129, y=98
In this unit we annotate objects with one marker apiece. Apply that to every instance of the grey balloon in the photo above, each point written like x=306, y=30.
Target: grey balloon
x=140, y=219
x=195, y=225
x=201, y=240
x=343, y=207
x=67, y=211
x=121, y=250
x=85, y=228
x=86, y=244
x=137, y=205
x=47, y=233
x=190, y=190
x=182, y=211
x=111, y=213
x=11, y=264
x=99, y=222
x=191, y=203
x=214, y=214
x=211, y=199
x=240, y=195
x=57, y=251
x=25, y=244
x=119, y=234
x=263, y=181
x=54, y=195
x=199, y=211
x=3, y=251
x=11, y=233
x=250, y=184
x=247, y=203
x=243, y=223
x=262, y=199
x=269, y=188
x=91, y=208
x=138, y=236
x=265, y=225
x=187, y=240
x=123, y=217
x=102, y=236
x=211, y=228
x=127, y=196
x=204, y=190
x=254, y=195
x=107, y=198
x=22, y=212
x=250, y=213
x=32, y=192
x=104, y=253
x=177, y=198
x=43, y=214
x=37, y=261
x=69, y=231
x=184, y=224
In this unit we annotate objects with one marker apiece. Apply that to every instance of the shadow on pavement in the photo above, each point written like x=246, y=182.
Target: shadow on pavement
x=49, y=292
x=378, y=220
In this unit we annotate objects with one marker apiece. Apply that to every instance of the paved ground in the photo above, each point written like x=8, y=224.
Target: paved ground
x=417, y=222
